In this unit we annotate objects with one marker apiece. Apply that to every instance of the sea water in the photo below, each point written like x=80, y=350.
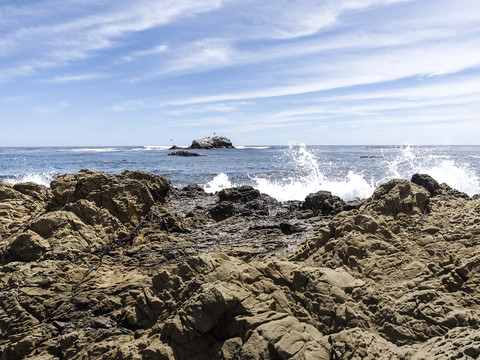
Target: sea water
x=283, y=172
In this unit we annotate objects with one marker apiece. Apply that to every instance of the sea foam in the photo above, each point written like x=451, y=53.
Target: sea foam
x=42, y=179
x=302, y=178
x=299, y=173
x=442, y=168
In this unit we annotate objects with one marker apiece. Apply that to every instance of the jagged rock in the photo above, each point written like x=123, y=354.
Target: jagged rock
x=399, y=197
x=401, y=252
x=192, y=190
x=19, y=206
x=435, y=188
x=28, y=246
x=128, y=196
x=216, y=142
x=223, y=210
x=239, y=194
x=427, y=182
x=396, y=277
x=324, y=202
x=36, y=191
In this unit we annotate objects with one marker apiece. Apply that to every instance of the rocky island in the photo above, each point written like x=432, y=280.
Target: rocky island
x=208, y=143
x=128, y=267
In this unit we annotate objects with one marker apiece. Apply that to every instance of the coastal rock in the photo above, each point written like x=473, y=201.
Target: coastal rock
x=184, y=153
x=20, y=204
x=324, y=202
x=410, y=259
x=396, y=277
x=398, y=197
x=216, y=142
x=128, y=196
x=242, y=194
x=435, y=188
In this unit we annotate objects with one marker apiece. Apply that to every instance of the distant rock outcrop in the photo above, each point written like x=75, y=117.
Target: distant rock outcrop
x=184, y=153
x=216, y=142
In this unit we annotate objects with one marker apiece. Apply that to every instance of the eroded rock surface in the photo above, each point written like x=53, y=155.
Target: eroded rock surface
x=127, y=267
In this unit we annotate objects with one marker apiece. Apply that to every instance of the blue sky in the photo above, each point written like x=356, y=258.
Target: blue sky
x=144, y=72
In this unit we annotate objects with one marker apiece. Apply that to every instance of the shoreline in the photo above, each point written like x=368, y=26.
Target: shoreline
x=127, y=266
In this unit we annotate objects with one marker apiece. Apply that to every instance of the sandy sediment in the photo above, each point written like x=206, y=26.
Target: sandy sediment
x=127, y=267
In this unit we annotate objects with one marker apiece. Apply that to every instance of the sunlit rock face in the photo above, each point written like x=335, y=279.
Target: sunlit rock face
x=127, y=267
x=216, y=142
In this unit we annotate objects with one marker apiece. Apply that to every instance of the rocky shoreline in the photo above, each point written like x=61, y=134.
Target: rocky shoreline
x=128, y=267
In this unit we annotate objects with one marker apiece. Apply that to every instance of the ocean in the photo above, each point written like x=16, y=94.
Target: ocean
x=283, y=172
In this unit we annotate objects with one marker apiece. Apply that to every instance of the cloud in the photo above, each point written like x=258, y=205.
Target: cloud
x=237, y=47
x=200, y=56
x=74, y=78
x=137, y=54
x=207, y=108
x=285, y=19
x=70, y=37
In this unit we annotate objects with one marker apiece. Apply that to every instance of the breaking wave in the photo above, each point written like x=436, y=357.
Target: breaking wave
x=301, y=172
x=42, y=178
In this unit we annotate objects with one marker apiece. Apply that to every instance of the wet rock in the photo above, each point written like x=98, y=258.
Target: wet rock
x=184, y=153
x=239, y=194
x=324, y=202
x=223, y=210
x=427, y=182
x=435, y=188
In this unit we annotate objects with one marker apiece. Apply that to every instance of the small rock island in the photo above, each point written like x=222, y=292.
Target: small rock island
x=216, y=142
x=207, y=143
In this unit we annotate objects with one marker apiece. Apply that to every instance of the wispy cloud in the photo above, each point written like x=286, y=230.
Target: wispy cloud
x=200, y=56
x=207, y=108
x=141, y=53
x=74, y=37
x=74, y=78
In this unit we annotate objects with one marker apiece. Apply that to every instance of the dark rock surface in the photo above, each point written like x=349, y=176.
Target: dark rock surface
x=435, y=188
x=127, y=267
x=324, y=202
x=184, y=153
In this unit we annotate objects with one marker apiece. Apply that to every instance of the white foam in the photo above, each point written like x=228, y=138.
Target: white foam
x=353, y=187
x=218, y=183
x=42, y=179
x=443, y=168
x=107, y=149
x=304, y=180
x=243, y=147
x=153, y=148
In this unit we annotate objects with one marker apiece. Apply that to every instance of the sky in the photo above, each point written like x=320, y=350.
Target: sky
x=260, y=72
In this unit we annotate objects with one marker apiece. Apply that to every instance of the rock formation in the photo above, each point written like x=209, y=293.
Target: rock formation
x=216, y=142
x=127, y=267
x=184, y=153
